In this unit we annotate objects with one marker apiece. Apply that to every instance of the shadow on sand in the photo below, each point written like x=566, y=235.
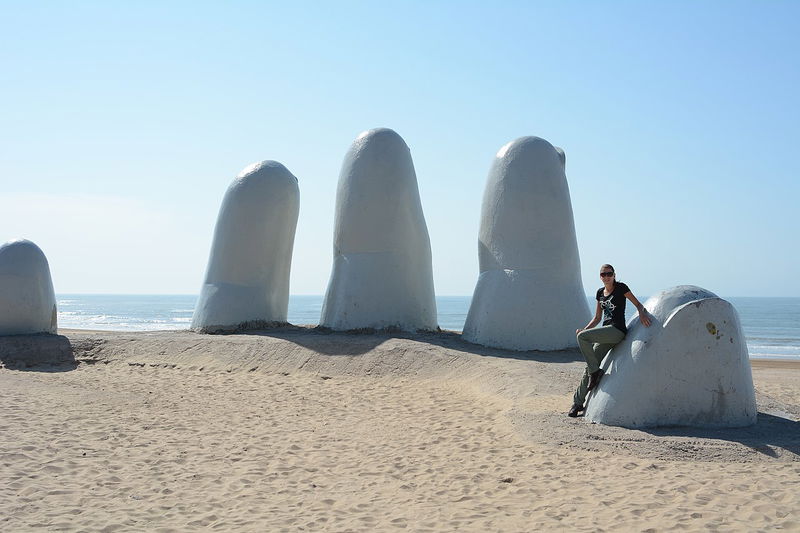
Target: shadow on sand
x=37, y=353
x=356, y=342
x=769, y=433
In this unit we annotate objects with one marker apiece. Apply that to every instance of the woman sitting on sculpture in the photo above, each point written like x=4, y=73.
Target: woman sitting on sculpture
x=594, y=342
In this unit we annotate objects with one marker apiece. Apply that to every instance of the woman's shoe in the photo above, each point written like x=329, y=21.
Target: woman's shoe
x=576, y=409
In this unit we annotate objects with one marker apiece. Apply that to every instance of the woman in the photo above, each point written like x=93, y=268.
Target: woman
x=596, y=343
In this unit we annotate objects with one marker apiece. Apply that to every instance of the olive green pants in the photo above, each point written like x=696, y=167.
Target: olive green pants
x=594, y=343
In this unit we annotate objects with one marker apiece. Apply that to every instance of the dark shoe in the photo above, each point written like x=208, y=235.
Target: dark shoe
x=594, y=379
x=575, y=411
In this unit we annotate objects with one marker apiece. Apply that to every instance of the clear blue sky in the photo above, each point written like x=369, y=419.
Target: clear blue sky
x=122, y=124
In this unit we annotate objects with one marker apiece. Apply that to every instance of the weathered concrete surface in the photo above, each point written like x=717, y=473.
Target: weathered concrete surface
x=27, y=299
x=689, y=368
x=529, y=295
x=382, y=275
x=247, y=280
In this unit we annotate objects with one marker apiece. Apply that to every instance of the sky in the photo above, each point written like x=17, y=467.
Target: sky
x=123, y=123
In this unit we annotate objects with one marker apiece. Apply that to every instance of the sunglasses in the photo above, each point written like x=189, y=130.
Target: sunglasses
x=606, y=274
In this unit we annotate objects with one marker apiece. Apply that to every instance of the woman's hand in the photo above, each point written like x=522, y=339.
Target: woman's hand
x=644, y=317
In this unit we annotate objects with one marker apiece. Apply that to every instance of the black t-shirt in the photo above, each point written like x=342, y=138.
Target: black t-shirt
x=614, y=306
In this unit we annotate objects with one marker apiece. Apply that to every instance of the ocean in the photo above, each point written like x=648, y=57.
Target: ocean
x=771, y=325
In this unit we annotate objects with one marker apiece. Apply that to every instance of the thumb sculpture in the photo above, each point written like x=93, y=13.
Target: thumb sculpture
x=27, y=299
x=529, y=294
x=689, y=368
x=247, y=280
x=382, y=275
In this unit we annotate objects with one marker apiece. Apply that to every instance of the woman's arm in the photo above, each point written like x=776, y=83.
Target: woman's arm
x=644, y=318
x=593, y=322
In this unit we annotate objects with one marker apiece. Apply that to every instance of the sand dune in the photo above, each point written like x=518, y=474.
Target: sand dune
x=299, y=429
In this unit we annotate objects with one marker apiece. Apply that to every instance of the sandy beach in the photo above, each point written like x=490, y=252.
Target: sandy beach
x=305, y=430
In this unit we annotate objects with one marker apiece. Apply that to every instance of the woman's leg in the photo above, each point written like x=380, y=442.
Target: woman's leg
x=601, y=350
x=595, y=345
x=580, y=393
x=606, y=335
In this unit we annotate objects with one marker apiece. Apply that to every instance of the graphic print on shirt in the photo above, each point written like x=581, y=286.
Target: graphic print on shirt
x=608, y=308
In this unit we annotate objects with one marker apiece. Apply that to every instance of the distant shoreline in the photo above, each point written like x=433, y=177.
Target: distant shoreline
x=771, y=325
x=195, y=295
x=760, y=361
